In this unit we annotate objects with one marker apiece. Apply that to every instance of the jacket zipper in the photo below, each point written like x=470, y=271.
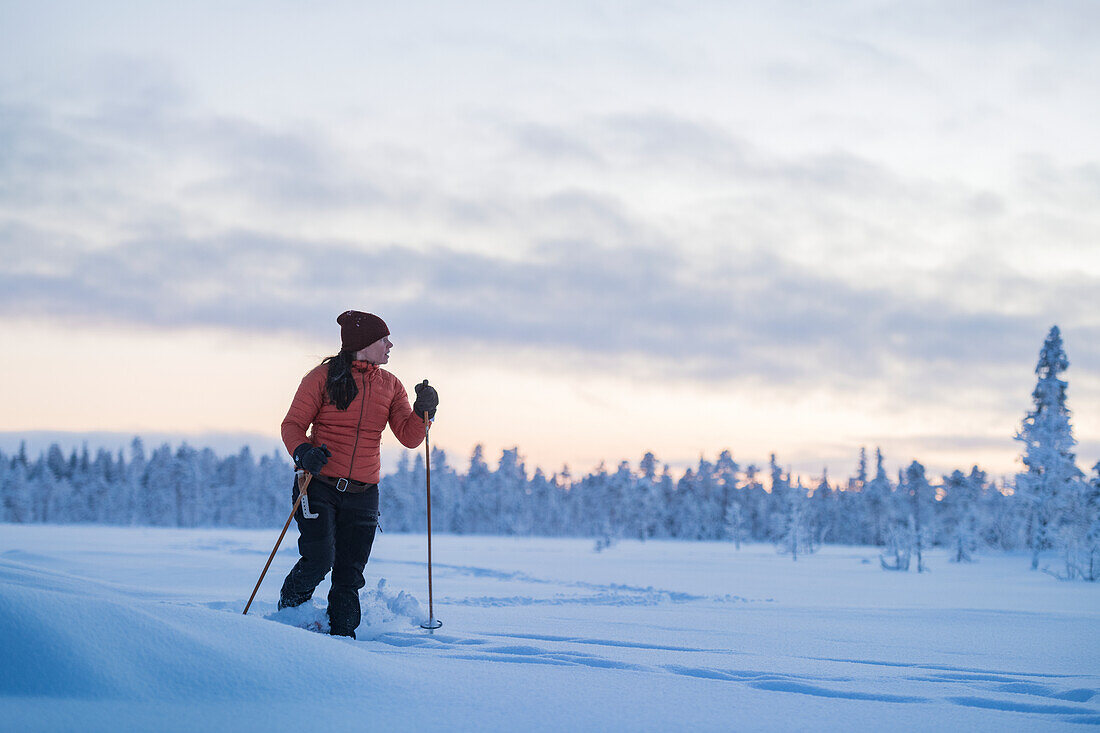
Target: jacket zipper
x=358, y=429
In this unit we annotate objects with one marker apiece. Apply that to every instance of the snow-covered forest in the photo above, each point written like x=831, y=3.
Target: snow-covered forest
x=1053, y=506
x=717, y=499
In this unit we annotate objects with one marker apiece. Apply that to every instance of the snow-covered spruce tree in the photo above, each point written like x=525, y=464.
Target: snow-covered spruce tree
x=797, y=535
x=735, y=522
x=589, y=506
x=776, y=506
x=135, y=484
x=1002, y=518
x=754, y=504
x=684, y=513
x=707, y=493
x=524, y=520
x=187, y=487
x=445, y=490
x=245, y=487
x=920, y=511
x=5, y=473
x=416, y=506
x=541, y=498
x=656, y=515
x=897, y=553
x=589, y=511
x=395, y=494
x=18, y=493
x=446, y=493
x=774, y=510
x=731, y=499
x=878, y=499
x=84, y=489
x=790, y=514
x=899, y=536
x=648, y=494
x=133, y=492
x=276, y=476
x=1090, y=566
x=851, y=526
x=568, y=499
x=726, y=470
x=1052, y=476
x=104, y=477
x=823, y=510
x=1075, y=533
x=1079, y=530
x=57, y=492
x=960, y=503
x=509, y=488
x=54, y=488
x=620, y=504
x=475, y=505
x=859, y=481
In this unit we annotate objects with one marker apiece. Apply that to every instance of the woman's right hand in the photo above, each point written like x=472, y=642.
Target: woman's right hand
x=310, y=458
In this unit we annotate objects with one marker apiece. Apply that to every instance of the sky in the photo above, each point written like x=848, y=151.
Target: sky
x=599, y=228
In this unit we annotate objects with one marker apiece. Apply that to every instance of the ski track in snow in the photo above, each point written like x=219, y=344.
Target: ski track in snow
x=948, y=683
x=947, y=686
x=605, y=594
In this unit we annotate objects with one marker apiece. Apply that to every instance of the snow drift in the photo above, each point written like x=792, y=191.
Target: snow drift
x=107, y=629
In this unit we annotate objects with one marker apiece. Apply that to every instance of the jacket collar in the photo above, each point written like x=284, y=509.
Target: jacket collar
x=364, y=366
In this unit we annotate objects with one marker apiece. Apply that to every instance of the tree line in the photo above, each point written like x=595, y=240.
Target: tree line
x=1052, y=506
x=714, y=500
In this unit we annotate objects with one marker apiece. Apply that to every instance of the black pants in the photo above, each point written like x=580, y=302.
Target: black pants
x=339, y=539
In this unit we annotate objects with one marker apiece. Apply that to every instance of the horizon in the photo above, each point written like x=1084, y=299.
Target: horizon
x=38, y=443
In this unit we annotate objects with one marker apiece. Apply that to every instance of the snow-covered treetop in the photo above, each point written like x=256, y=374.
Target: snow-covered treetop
x=1052, y=357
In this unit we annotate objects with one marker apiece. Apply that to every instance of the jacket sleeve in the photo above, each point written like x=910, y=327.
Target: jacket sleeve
x=303, y=409
x=405, y=424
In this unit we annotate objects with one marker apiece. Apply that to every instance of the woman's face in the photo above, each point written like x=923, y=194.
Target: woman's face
x=376, y=353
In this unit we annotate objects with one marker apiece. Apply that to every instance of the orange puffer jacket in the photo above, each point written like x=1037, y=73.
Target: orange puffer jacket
x=353, y=435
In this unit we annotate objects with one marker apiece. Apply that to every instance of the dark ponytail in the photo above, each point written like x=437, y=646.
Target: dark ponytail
x=340, y=384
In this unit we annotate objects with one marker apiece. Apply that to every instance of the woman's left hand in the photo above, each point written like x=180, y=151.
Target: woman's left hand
x=427, y=400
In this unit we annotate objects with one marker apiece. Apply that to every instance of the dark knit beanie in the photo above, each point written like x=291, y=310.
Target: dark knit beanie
x=358, y=330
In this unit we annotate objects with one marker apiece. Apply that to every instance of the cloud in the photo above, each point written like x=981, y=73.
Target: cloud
x=552, y=142
x=794, y=268
x=760, y=316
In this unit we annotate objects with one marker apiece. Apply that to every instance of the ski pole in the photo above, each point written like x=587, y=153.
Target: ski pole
x=433, y=622
x=302, y=484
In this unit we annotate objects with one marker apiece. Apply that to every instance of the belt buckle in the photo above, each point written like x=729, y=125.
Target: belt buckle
x=341, y=484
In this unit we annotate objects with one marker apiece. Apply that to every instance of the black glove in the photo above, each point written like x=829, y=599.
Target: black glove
x=310, y=458
x=426, y=400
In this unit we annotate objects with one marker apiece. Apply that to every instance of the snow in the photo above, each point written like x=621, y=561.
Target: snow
x=107, y=629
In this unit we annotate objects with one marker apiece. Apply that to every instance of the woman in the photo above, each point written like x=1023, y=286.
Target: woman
x=348, y=399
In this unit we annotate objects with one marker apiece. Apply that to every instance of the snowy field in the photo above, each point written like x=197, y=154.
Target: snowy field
x=107, y=629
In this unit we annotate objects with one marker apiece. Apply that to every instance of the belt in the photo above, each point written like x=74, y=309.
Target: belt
x=345, y=484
